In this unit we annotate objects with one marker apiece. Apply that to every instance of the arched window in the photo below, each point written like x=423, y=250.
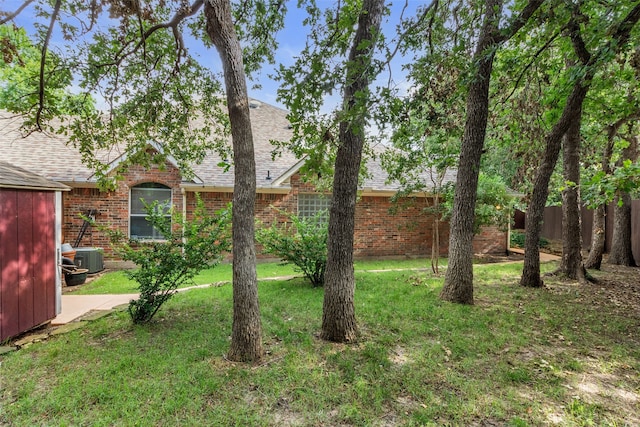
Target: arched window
x=141, y=196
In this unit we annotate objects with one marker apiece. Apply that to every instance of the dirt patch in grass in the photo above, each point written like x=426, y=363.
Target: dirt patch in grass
x=493, y=258
x=615, y=286
x=600, y=387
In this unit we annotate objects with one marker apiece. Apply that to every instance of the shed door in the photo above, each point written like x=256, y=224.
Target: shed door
x=27, y=258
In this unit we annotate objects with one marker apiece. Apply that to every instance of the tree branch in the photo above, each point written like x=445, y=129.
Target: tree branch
x=432, y=7
x=520, y=21
x=524, y=70
x=173, y=23
x=10, y=16
x=43, y=58
x=579, y=47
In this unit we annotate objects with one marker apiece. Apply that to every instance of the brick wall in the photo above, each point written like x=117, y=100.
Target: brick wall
x=490, y=240
x=113, y=206
x=378, y=233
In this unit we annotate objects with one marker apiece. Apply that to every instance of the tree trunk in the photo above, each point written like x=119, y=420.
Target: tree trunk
x=598, y=238
x=572, y=110
x=458, y=282
x=246, y=336
x=535, y=212
x=571, y=263
x=435, y=239
x=621, y=252
x=598, y=229
x=338, y=316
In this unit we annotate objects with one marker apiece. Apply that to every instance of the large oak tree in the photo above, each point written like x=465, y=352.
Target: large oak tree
x=458, y=286
x=138, y=62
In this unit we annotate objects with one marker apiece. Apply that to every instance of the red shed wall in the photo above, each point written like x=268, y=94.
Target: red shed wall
x=27, y=260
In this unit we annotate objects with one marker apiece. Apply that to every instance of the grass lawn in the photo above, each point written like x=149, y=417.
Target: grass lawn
x=519, y=357
x=117, y=282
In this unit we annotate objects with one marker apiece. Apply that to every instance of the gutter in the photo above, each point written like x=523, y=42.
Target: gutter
x=34, y=188
x=227, y=189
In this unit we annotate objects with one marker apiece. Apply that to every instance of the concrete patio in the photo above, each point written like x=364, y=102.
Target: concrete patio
x=75, y=306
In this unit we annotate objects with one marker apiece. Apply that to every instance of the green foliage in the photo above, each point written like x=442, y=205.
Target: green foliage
x=321, y=70
x=517, y=240
x=303, y=242
x=20, y=76
x=603, y=189
x=134, y=59
x=163, y=266
x=493, y=205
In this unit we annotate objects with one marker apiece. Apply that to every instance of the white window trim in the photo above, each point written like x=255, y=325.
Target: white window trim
x=132, y=215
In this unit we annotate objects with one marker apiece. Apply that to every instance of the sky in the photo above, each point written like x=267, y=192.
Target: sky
x=291, y=41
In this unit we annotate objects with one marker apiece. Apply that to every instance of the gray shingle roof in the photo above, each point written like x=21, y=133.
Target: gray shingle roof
x=49, y=156
x=42, y=153
x=268, y=123
x=14, y=177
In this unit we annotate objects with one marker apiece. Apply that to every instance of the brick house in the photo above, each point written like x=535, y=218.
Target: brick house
x=279, y=184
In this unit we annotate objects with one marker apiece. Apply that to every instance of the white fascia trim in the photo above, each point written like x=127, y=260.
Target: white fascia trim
x=207, y=188
x=289, y=173
x=226, y=189
x=388, y=193
x=80, y=184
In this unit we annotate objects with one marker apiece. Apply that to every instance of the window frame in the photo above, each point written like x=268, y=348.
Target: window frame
x=153, y=187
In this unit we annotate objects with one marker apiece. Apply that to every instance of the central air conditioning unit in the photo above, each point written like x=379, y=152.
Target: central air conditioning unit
x=89, y=258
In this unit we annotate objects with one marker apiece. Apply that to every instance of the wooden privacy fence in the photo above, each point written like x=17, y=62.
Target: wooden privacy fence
x=552, y=226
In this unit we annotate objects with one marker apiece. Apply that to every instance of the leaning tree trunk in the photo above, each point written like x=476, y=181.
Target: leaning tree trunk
x=338, y=315
x=246, y=336
x=571, y=262
x=458, y=282
x=571, y=113
x=598, y=228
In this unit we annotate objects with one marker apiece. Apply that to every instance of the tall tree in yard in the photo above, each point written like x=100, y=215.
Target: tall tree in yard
x=246, y=336
x=615, y=109
x=338, y=314
x=153, y=88
x=339, y=56
x=621, y=251
x=571, y=263
x=582, y=74
x=458, y=286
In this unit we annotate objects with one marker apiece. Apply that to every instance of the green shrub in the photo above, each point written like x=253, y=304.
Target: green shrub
x=303, y=243
x=517, y=240
x=189, y=247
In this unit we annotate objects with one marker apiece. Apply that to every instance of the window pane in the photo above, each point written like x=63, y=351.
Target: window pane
x=311, y=204
x=142, y=196
x=141, y=228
